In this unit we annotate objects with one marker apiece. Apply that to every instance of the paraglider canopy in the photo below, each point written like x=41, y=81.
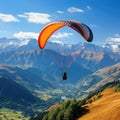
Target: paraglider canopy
x=48, y=30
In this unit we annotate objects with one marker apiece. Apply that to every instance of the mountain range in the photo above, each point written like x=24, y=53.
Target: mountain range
x=17, y=44
x=88, y=65
x=57, y=58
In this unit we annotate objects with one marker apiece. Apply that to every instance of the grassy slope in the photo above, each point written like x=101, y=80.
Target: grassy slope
x=105, y=108
x=7, y=114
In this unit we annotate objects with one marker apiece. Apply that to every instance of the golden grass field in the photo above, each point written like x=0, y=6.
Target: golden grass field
x=105, y=108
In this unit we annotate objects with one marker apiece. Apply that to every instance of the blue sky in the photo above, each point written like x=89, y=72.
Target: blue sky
x=24, y=19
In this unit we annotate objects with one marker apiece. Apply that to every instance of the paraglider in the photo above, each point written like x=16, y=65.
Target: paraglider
x=64, y=76
x=48, y=30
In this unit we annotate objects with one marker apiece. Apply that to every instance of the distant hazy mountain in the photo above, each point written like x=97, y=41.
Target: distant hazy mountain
x=16, y=44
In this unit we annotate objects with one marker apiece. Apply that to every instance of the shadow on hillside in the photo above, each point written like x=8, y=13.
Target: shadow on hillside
x=83, y=111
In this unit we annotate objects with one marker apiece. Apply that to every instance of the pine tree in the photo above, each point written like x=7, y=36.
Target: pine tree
x=45, y=117
x=53, y=114
x=60, y=115
x=68, y=114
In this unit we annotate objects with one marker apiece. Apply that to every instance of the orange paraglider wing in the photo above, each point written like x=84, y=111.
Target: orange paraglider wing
x=47, y=31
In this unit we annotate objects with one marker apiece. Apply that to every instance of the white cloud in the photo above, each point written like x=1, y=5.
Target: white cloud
x=61, y=35
x=26, y=35
x=89, y=8
x=39, y=18
x=60, y=12
x=115, y=39
x=74, y=9
x=56, y=41
x=8, y=18
x=115, y=47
